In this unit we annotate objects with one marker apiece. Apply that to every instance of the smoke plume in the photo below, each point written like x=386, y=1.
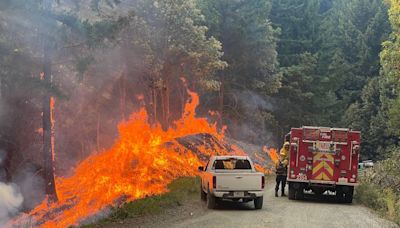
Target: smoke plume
x=10, y=201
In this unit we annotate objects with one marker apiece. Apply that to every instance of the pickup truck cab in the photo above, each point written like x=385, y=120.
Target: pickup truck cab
x=231, y=178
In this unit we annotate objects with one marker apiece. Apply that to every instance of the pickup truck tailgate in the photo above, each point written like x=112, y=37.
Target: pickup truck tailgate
x=238, y=181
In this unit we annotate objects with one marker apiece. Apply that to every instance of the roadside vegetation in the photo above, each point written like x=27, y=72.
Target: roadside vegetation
x=380, y=186
x=180, y=190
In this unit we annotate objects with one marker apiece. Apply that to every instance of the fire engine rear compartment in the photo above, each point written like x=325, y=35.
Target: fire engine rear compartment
x=323, y=159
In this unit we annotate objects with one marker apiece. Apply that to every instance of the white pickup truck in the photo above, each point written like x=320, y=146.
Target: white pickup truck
x=231, y=178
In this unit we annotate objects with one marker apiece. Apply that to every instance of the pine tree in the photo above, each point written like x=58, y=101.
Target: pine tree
x=249, y=46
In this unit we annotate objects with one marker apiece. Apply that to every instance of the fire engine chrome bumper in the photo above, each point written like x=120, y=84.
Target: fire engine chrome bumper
x=323, y=182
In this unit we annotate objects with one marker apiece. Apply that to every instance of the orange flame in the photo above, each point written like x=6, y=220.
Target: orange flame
x=138, y=165
x=274, y=155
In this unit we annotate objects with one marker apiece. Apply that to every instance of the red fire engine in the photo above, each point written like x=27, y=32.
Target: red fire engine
x=323, y=159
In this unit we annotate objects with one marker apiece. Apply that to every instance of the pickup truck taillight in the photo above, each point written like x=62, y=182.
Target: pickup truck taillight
x=214, y=182
x=262, y=182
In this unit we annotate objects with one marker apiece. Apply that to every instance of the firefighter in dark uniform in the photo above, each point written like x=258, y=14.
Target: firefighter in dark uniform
x=281, y=169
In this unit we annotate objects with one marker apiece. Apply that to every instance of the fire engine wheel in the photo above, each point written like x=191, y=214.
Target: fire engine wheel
x=292, y=192
x=210, y=200
x=339, y=196
x=299, y=194
x=348, y=196
x=344, y=194
x=258, y=202
x=203, y=195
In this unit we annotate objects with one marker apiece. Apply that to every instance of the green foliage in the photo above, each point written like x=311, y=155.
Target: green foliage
x=390, y=60
x=350, y=42
x=248, y=41
x=394, y=116
x=173, y=41
x=370, y=117
x=296, y=96
x=299, y=23
x=344, y=39
x=390, y=54
x=180, y=191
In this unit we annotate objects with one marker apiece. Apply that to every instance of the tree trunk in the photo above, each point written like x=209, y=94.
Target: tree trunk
x=1, y=88
x=167, y=106
x=221, y=103
x=182, y=93
x=48, y=142
x=122, y=89
x=154, y=101
x=165, y=99
x=163, y=96
x=98, y=132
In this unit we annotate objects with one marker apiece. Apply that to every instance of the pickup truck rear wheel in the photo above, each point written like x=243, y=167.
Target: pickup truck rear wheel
x=210, y=200
x=203, y=195
x=258, y=202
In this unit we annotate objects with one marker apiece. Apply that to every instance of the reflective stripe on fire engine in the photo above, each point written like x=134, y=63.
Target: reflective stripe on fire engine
x=323, y=166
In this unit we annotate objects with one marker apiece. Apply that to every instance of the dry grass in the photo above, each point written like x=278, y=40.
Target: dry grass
x=180, y=190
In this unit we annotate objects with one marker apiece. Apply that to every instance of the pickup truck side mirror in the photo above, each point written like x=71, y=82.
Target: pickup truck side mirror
x=201, y=168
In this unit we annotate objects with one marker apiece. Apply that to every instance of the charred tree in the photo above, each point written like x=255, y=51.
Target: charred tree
x=164, y=104
x=98, y=131
x=153, y=102
x=165, y=96
x=48, y=147
x=221, y=103
x=122, y=91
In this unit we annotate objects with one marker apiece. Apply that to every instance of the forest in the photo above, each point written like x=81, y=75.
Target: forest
x=71, y=70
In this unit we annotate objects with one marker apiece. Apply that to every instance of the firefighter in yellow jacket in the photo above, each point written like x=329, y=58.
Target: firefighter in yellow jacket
x=281, y=169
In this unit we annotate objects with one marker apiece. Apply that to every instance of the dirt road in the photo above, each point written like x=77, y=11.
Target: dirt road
x=277, y=212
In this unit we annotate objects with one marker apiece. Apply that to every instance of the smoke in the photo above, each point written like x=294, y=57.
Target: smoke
x=24, y=192
x=255, y=118
x=10, y=197
x=31, y=186
x=10, y=201
x=252, y=101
